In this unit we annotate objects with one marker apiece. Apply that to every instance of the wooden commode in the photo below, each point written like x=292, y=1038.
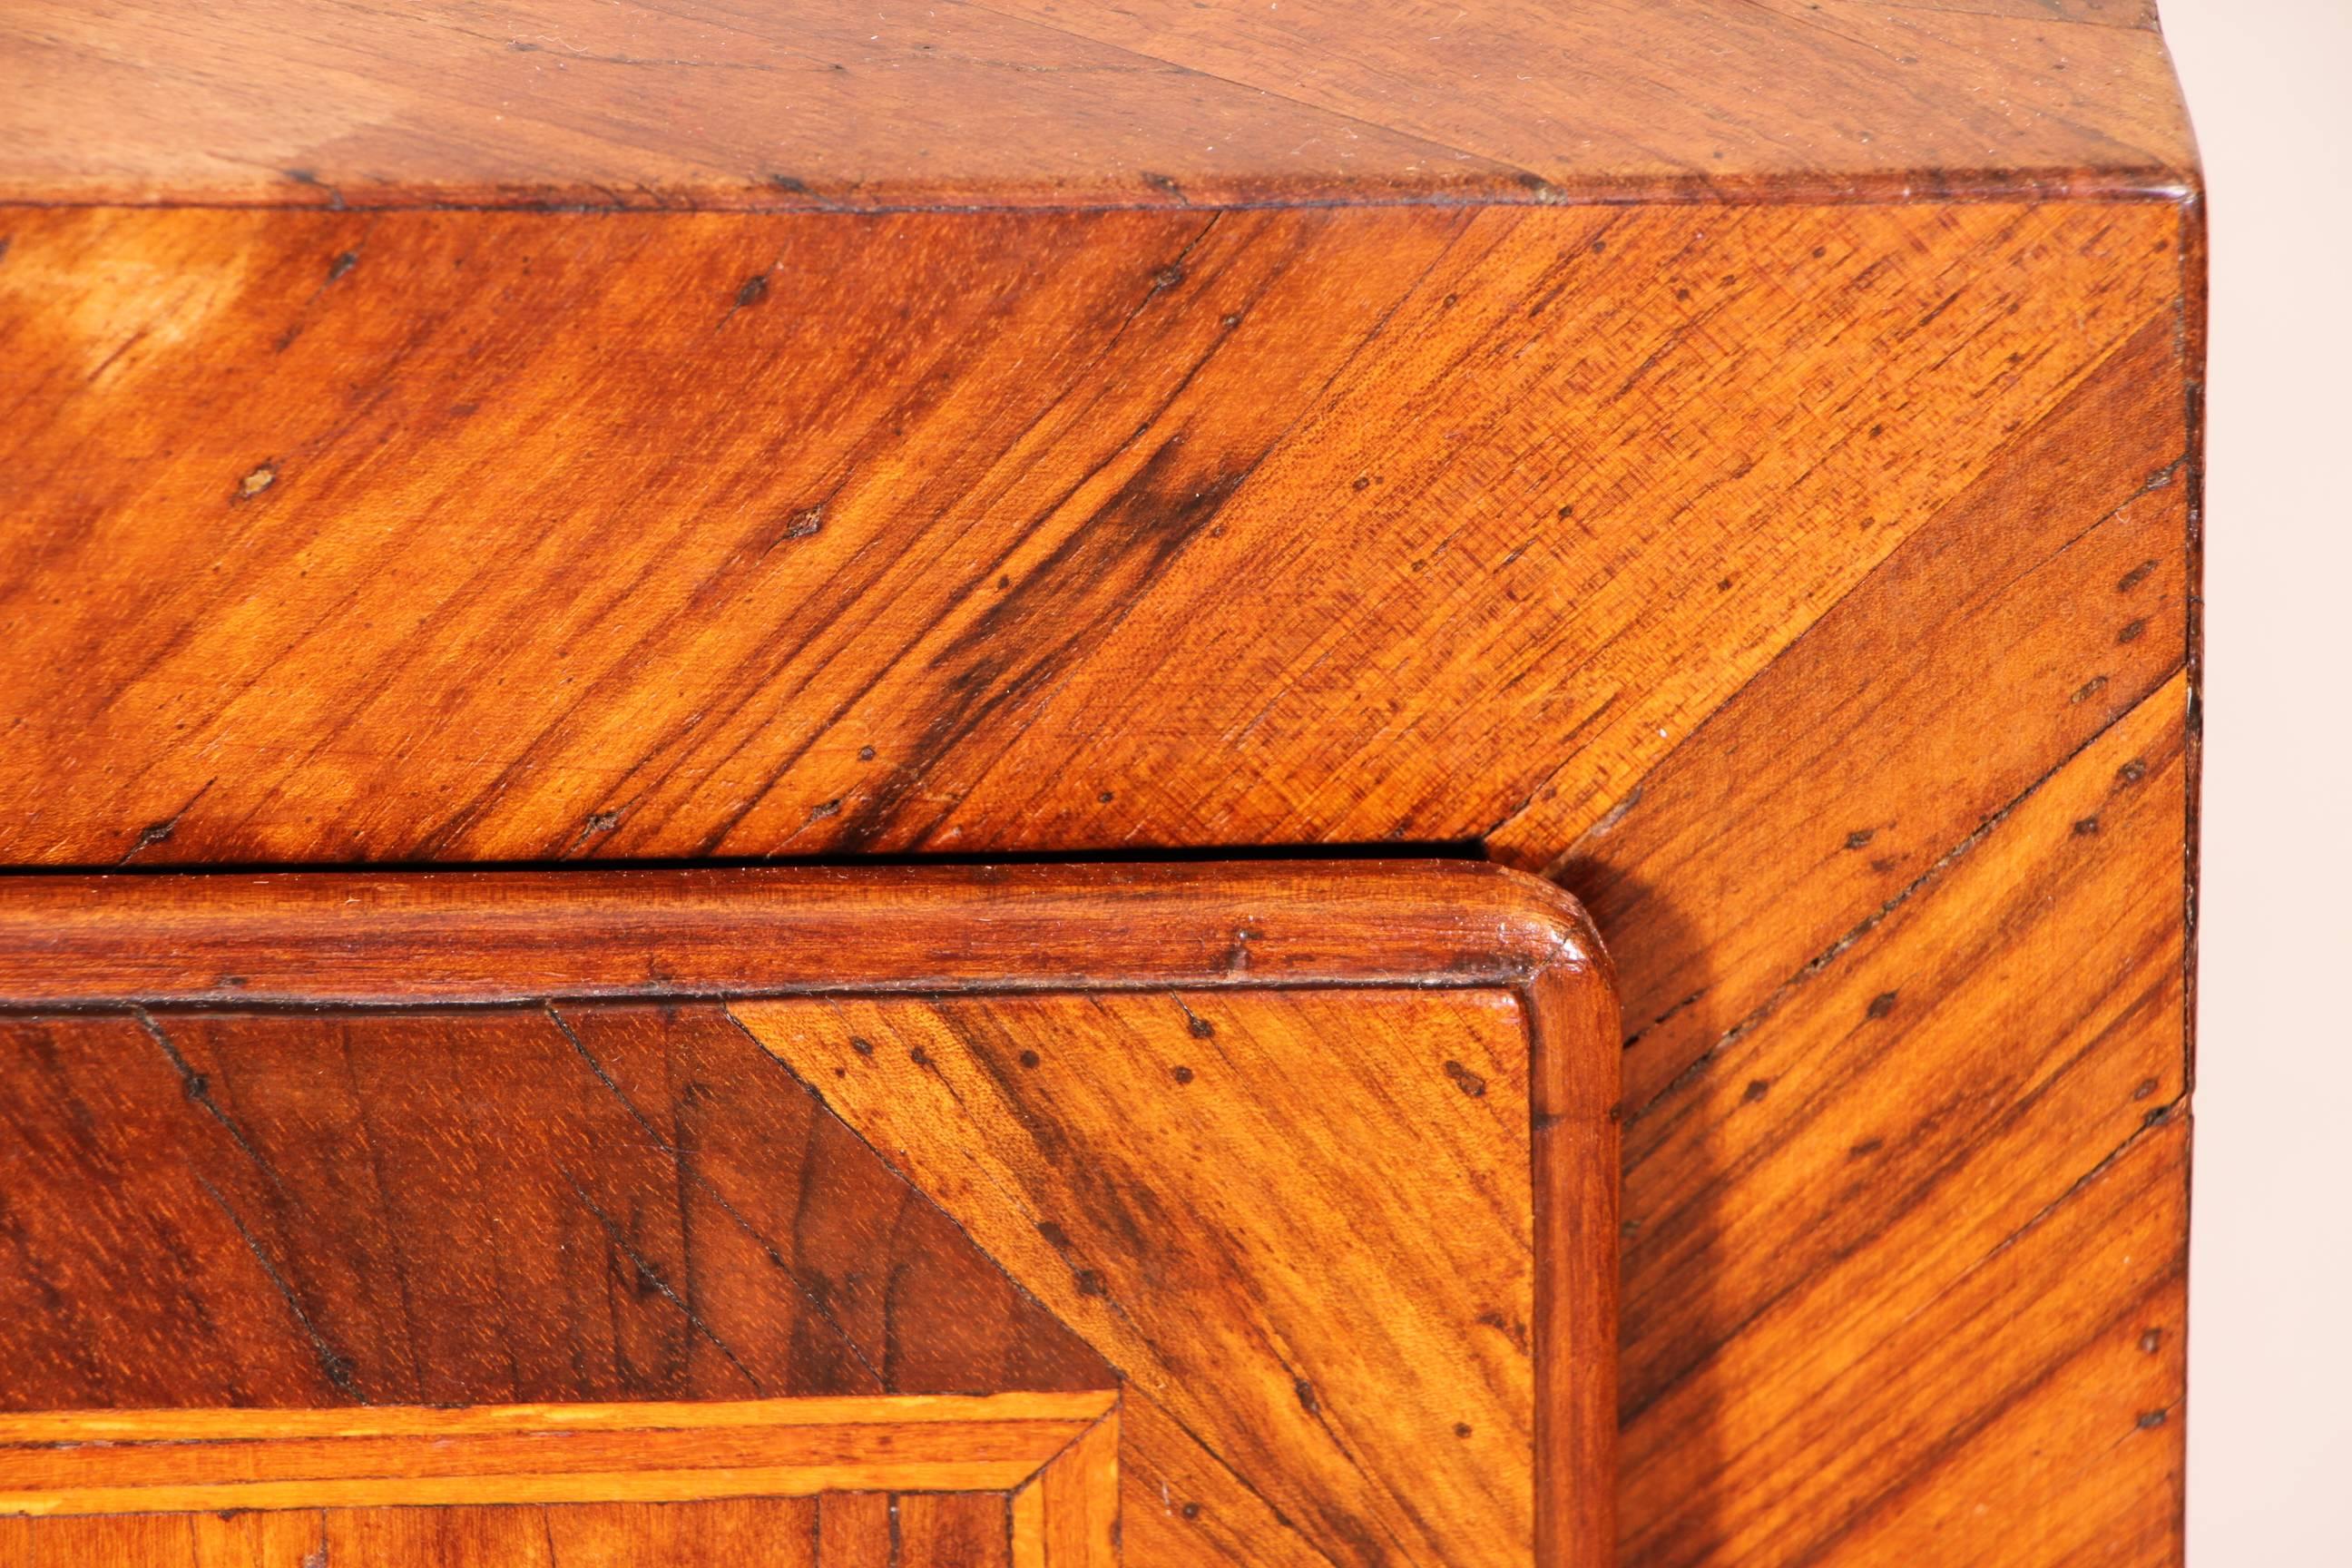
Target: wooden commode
x=1187, y=784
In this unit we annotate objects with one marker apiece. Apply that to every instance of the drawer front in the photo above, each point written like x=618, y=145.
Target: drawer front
x=1063, y=1216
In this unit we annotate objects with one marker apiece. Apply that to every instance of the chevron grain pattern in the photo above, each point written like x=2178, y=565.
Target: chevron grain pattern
x=1741, y=462
x=436, y=1209
x=470, y=1207
x=828, y=614
x=1888, y=1207
x=304, y=1257
x=1155, y=1169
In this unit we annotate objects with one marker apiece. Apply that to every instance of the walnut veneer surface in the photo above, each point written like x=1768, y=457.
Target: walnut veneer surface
x=1739, y=460
x=1187, y=1214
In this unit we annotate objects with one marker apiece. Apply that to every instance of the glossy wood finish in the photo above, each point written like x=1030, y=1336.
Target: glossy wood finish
x=840, y=1529
x=1068, y=1517
x=1278, y=1181
x=760, y=1530
x=1013, y=1481
x=217, y=1460
x=163, y=1540
x=1978, y=1109
x=1179, y=462
x=1738, y=461
x=1169, y=1177
x=355, y=938
x=468, y=1207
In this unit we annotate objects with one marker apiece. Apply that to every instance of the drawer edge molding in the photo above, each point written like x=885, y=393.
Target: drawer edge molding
x=433, y=938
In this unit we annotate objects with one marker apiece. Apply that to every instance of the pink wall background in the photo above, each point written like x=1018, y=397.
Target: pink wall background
x=2270, y=1327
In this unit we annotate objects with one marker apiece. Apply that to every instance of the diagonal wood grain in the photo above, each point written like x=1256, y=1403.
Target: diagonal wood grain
x=923, y=1308
x=1796, y=811
x=1067, y=1514
x=1118, y=454
x=1165, y=1170
x=1835, y=1221
x=467, y=1207
x=1705, y=455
